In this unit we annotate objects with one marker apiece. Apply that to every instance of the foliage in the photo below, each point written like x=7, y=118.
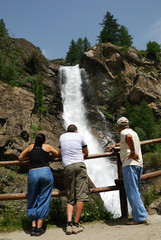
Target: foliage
x=153, y=49
x=76, y=50
x=141, y=119
x=3, y=30
x=12, y=220
x=117, y=90
x=151, y=195
x=95, y=210
x=152, y=161
x=40, y=99
x=114, y=33
x=33, y=63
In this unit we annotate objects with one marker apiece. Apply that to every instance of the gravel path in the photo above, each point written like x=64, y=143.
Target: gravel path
x=111, y=230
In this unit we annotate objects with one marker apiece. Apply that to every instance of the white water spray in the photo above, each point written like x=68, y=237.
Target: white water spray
x=101, y=171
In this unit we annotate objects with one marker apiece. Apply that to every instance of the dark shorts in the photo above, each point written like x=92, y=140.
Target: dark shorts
x=76, y=183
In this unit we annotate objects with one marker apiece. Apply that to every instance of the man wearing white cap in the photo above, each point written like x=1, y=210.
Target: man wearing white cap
x=132, y=168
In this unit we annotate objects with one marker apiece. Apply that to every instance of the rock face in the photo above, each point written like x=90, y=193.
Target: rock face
x=115, y=71
x=16, y=107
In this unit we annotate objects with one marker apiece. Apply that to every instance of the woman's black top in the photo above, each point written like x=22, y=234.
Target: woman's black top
x=38, y=157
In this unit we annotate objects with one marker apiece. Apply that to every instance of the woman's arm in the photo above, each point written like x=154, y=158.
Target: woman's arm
x=25, y=154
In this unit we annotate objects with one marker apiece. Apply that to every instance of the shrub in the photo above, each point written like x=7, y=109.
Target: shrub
x=150, y=196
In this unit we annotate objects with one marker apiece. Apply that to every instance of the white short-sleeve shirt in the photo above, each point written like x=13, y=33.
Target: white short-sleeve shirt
x=125, y=150
x=71, y=144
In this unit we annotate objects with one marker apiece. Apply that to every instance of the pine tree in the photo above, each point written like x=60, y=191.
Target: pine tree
x=110, y=30
x=71, y=54
x=124, y=38
x=3, y=30
x=114, y=33
x=86, y=44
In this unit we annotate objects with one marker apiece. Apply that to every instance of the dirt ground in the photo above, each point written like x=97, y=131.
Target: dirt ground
x=110, y=230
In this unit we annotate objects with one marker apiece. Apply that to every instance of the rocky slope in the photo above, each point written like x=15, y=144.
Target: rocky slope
x=115, y=71
x=111, y=73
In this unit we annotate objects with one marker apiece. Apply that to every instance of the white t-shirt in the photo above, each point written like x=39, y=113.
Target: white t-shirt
x=125, y=150
x=71, y=144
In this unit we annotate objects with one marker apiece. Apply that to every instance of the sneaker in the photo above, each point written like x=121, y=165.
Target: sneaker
x=69, y=229
x=39, y=231
x=77, y=229
x=33, y=231
x=132, y=222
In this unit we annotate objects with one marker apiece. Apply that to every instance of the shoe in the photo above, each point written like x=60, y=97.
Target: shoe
x=39, y=231
x=69, y=229
x=33, y=231
x=132, y=222
x=77, y=229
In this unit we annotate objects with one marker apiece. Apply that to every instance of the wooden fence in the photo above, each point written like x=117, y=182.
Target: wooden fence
x=119, y=182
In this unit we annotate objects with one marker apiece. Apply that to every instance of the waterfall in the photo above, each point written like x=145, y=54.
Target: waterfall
x=101, y=171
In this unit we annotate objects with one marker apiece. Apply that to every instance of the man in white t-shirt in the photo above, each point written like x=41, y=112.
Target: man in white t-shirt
x=132, y=168
x=73, y=149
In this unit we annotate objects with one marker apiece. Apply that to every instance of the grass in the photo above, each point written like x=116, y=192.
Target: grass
x=12, y=218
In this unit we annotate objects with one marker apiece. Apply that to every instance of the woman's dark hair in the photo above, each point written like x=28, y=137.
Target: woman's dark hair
x=40, y=139
x=71, y=128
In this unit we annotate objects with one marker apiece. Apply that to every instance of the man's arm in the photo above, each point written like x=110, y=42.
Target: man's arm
x=85, y=152
x=113, y=146
x=130, y=143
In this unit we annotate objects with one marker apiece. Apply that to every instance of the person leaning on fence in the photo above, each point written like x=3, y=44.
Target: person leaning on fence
x=40, y=182
x=132, y=167
x=73, y=149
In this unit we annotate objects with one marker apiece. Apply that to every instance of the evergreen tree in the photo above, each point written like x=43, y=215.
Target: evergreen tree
x=110, y=29
x=76, y=50
x=71, y=54
x=3, y=30
x=79, y=47
x=124, y=38
x=114, y=33
x=86, y=44
x=153, y=48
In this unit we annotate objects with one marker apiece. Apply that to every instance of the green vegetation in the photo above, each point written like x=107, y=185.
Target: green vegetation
x=93, y=210
x=113, y=32
x=151, y=196
x=153, y=50
x=76, y=50
x=118, y=89
x=142, y=120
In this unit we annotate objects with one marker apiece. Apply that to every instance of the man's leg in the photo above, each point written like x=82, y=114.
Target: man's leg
x=78, y=212
x=70, y=209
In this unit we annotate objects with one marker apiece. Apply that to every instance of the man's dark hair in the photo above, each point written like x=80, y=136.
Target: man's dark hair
x=40, y=139
x=71, y=128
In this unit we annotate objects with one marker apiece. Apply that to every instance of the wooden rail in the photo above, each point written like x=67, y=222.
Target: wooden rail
x=119, y=182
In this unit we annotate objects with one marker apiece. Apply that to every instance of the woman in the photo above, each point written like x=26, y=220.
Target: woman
x=40, y=182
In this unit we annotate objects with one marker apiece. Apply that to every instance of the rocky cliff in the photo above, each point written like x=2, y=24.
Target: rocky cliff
x=117, y=74
x=114, y=74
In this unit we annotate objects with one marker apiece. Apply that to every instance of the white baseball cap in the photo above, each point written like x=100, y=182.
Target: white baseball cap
x=122, y=121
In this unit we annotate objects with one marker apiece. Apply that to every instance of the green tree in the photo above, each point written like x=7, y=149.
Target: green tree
x=153, y=48
x=71, y=54
x=40, y=99
x=3, y=30
x=86, y=44
x=114, y=33
x=124, y=38
x=110, y=29
x=76, y=50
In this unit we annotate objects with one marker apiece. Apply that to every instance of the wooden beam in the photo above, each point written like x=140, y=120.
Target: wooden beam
x=55, y=193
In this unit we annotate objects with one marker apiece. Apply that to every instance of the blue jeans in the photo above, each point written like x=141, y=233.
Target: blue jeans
x=132, y=182
x=40, y=186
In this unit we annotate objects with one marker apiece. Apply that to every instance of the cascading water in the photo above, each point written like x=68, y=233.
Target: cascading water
x=101, y=171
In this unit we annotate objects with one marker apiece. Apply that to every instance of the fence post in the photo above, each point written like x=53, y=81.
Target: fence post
x=123, y=199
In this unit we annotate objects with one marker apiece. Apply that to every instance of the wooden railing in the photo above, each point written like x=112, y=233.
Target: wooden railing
x=119, y=182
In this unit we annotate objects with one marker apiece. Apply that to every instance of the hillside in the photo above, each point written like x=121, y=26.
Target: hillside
x=30, y=99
